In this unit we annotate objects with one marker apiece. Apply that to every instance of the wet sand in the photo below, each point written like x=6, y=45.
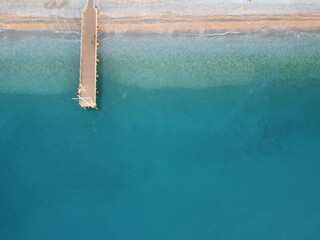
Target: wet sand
x=175, y=25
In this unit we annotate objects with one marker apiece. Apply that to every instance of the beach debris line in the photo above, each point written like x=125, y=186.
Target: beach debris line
x=87, y=90
x=55, y=4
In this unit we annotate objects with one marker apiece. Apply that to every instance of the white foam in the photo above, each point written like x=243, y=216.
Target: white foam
x=220, y=34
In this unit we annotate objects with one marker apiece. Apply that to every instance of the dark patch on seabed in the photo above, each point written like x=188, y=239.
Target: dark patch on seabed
x=163, y=164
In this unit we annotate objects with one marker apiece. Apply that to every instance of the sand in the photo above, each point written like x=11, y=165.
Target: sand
x=163, y=16
x=162, y=24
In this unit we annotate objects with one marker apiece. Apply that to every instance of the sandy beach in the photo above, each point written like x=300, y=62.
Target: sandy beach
x=161, y=24
x=163, y=16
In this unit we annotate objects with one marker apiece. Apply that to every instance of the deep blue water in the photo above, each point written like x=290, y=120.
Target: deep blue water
x=196, y=138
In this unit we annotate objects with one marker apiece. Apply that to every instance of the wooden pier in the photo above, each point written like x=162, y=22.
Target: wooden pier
x=87, y=90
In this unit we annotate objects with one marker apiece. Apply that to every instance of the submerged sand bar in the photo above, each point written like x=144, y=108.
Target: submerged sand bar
x=88, y=67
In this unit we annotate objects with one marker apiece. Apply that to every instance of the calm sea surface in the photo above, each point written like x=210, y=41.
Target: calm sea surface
x=197, y=137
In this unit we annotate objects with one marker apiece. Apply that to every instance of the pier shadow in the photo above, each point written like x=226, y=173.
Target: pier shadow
x=100, y=84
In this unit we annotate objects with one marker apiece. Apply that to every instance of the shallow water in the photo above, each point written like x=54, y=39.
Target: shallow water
x=234, y=156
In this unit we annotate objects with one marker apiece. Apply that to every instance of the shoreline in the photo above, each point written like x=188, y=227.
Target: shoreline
x=167, y=25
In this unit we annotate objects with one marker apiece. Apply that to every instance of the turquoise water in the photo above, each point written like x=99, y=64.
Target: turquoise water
x=197, y=137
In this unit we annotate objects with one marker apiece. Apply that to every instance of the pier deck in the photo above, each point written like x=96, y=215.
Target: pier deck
x=88, y=66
